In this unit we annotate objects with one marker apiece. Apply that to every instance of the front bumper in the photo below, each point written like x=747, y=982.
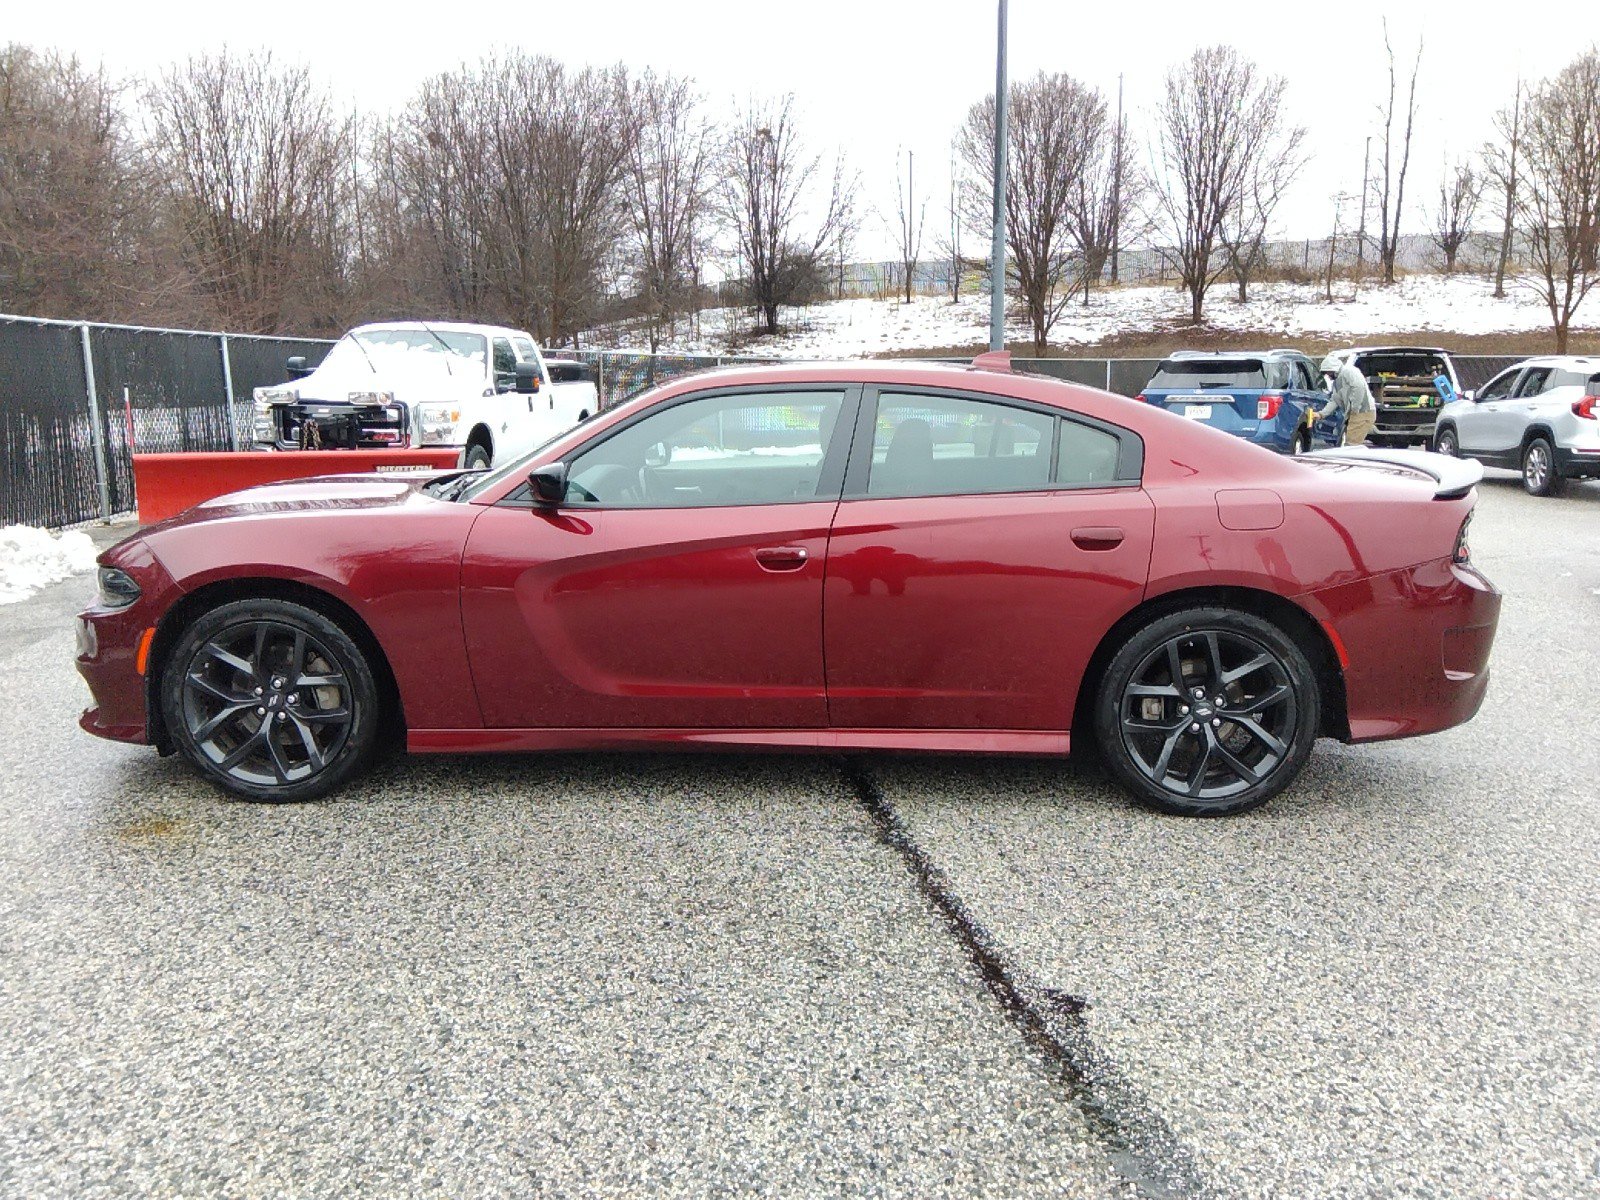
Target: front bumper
x=109, y=644
x=1417, y=644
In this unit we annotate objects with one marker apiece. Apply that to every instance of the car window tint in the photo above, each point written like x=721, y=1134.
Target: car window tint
x=1211, y=373
x=505, y=365
x=1086, y=455
x=750, y=448
x=1569, y=379
x=1533, y=381
x=944, y=446
x=525, y=350
x=1499, y=386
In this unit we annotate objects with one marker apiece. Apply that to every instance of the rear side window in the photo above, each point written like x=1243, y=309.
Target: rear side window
x=1566, y=379
x=950, y=446
x=1087, y=455
x=1202, y=374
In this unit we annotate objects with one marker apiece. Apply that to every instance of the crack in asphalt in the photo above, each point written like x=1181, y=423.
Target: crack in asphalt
x=1140, y=1145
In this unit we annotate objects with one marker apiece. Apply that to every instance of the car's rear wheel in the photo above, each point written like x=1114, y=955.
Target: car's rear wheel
x=1302, y=442
x=1444, y=442
x=1207, y=712
x=1539, y=474
x=271, y=700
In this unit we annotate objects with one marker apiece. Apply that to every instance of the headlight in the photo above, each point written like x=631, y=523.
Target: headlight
x=117, y=588
x=266, y=397
x=371, y=397
x=436, y=424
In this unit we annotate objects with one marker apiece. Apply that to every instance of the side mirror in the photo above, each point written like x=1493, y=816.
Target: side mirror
x=295, y=365
x=548, y=483
x=1469, y=394
x=527, y=378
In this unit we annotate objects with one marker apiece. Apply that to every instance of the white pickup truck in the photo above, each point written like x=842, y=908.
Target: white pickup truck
x=482, y=389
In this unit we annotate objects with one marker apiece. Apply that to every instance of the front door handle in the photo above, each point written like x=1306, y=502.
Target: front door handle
x=1097, y=537
x=782, y=558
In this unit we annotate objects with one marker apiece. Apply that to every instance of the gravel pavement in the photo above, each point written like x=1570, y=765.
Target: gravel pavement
x=683, y=975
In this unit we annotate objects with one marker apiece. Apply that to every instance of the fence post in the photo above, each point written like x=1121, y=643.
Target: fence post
x=227, y=388
x=1108, y=374
x=97, y=428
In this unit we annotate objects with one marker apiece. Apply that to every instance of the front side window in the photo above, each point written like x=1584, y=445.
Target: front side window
x=505, y=366
x=748, y=448
x=950, y=446
x=1499, y=387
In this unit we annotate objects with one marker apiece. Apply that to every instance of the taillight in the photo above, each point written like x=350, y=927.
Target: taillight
x=1140, y=398
x=1585, y=408
x=1463, y=552
x=1267, y=407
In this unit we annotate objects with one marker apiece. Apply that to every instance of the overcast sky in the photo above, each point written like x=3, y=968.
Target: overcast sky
x=874, y=76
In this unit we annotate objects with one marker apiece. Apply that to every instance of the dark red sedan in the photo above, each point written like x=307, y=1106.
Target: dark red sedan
x=841, y=557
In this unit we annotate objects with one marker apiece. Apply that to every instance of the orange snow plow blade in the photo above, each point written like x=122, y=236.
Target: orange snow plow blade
x=166, y=484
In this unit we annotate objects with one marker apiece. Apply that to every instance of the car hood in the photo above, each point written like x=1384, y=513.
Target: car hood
x=417, y=381
x=320, y=494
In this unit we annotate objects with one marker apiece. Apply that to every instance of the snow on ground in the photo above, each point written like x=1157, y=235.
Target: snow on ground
x=1459, y=304
x=31, y=558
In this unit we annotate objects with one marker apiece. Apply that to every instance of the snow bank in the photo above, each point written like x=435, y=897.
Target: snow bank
x=1457, y=304
x=31, y=558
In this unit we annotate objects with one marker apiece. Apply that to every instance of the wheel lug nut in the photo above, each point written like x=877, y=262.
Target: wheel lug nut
x=1221, y=700
x=261, y=712
x=258, y=691
x=1184, y=709
x=1216, y=721
x=1198, y=692
x=1195, y=728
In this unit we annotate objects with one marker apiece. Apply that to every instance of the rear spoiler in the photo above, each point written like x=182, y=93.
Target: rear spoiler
x=1452, y=477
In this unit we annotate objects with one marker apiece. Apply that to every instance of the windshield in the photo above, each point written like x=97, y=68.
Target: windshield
x=407, y=349
x=1218, y=373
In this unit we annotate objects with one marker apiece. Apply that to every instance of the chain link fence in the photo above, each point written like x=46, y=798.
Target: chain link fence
x=77, y=400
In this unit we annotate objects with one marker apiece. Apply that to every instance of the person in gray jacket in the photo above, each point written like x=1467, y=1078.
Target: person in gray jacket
x=1351, y=395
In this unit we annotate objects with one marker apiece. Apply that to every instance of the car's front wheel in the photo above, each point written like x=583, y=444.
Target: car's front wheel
x=477, y=457
x=1539, y=474
x=1207, y=712
x=271, y=700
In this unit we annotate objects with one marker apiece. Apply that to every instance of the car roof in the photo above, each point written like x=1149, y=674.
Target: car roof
x=1583, y=361
x=447, y=327
x=1207, y=355
x=1393, y=350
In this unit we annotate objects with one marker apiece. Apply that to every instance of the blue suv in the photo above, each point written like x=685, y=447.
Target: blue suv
x=1270, y=398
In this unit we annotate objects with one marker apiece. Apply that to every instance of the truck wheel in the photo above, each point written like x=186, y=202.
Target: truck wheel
x=477, y=457
x=1539, y=474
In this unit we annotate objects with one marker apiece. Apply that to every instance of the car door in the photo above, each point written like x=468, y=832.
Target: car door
x=1482, y=428
x=982, y=548
x=1523, y=407
x=1325, y=431
x=680, y=583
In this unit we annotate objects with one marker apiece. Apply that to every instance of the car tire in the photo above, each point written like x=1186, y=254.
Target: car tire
x=240, y=665
x=477, y=457
x=1302, y=442
x=1540, y=476
x=1196, y=757
x=1444, y=442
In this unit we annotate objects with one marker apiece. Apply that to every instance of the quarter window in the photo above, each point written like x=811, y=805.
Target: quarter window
x=944, y=446
x=750, y=448
x=1087, y=455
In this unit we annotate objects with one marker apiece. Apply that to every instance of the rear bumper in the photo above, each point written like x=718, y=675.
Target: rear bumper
x=1400, y=423
x=1578, y=463
x=1417, y=644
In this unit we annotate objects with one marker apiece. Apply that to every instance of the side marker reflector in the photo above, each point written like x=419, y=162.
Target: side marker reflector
x=141, y=658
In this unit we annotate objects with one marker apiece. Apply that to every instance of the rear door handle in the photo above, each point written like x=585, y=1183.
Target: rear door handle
x=782, y=558
x=1097, y=537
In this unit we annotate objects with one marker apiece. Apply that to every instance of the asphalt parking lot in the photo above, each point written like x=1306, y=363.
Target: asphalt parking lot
x=789, y=975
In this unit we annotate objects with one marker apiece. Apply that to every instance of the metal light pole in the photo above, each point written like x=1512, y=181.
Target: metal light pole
x=997, y=260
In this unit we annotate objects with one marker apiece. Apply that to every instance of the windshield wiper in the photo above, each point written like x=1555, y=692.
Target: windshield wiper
x=448, y=352
x=364, y=354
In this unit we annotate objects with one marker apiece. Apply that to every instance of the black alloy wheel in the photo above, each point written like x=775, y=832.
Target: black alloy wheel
x=271, y=700
x=1208, y=712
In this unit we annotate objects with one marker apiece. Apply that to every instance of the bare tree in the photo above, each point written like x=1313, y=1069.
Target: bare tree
x=255, y=158
x=1502, y=165
x=1275, y=164
x=1219, y=124
x=1560, y=205
x=949, y=244
x=909, y=220
x=1392, y=193
x=769, y=185
x=1104, y=201
x=74, y=213
x=668, y=177
x=1055, y=124
x=1458, y=204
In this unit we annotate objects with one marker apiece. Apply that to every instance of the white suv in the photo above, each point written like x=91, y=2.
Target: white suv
x=1540, y=417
